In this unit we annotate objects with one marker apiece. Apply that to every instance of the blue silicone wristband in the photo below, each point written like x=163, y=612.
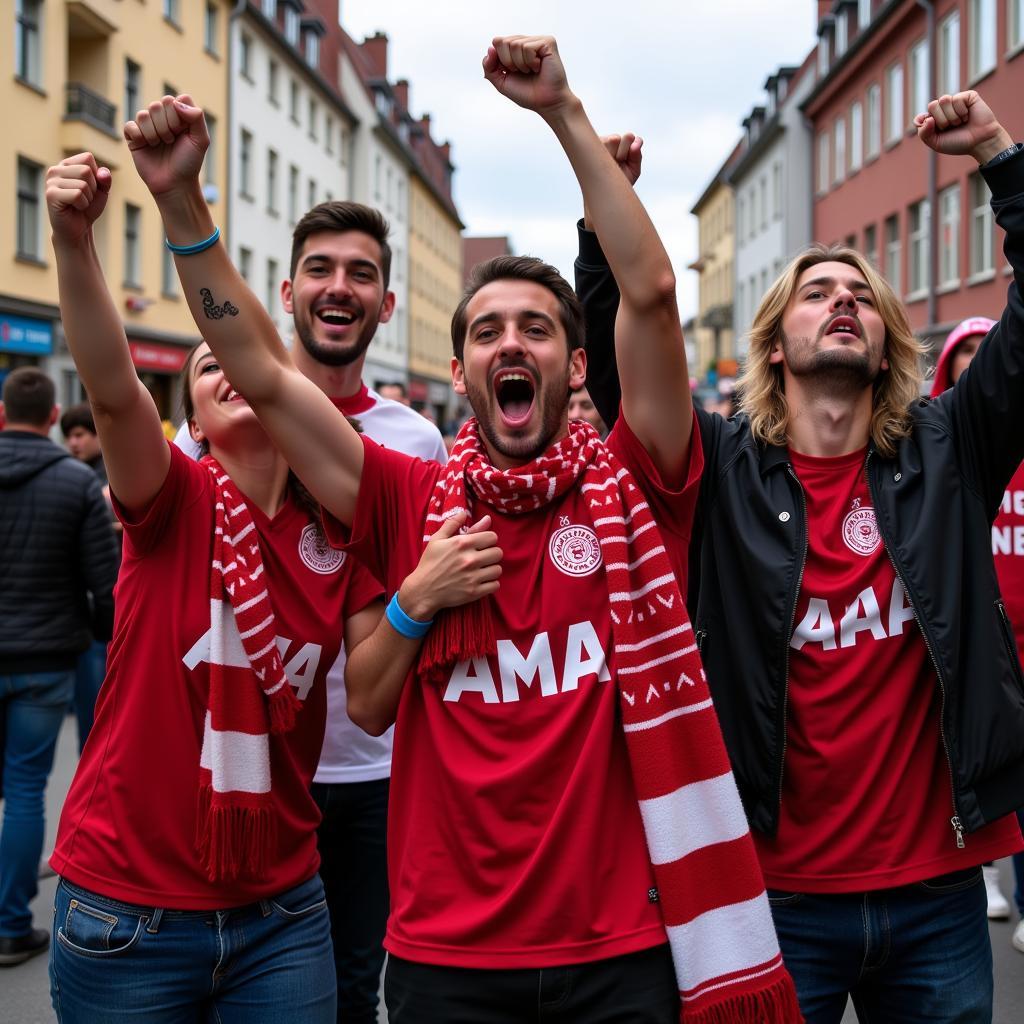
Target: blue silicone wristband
x=191, y=250
x=413, y=629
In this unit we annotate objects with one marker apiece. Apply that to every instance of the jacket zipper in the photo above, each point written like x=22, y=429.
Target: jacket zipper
x=789, y=636
x=954, y=821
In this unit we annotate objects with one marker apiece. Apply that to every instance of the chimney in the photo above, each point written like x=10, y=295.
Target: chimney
x=446, y=151
x=376, y=49
x=401, y=91
x=425, y=122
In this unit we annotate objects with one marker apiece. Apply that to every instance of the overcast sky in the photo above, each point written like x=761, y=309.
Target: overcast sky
x=681, y=74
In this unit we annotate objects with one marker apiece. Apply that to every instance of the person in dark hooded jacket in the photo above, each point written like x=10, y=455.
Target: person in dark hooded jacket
x=58, y=564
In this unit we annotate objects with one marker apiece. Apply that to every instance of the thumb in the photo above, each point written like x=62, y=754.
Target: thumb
x=104, y=179
x=481, y=525
x=187, y=109
x=451, y=526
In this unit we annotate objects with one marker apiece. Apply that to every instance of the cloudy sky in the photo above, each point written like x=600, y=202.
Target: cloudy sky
x=682, y=74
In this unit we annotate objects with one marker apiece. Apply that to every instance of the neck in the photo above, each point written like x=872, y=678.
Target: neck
x=333, y=381
x=29, y=428
x=261, y=476
x=826, y=425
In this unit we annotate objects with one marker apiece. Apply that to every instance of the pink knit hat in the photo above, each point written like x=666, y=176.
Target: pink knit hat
x=965, y=329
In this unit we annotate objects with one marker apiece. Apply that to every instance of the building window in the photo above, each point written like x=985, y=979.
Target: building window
x=919, y=248
x=949, y=236
x=312, y=49
x=291, y=25
x=271, y=181
x=871, y=244
x=293, y=101
x=981, y=227
x=741, y=211
x=245, y=165
x=171, y=10
x=313, y=127
x=874, y=139
x=329, y=132
x=210, y=162
x=245, y=263
x=856, y=136
x=894, y=108
x=777, y=189
x=168, y=275
x=132, y=87
x=245, y=56
x=27, y=62
x=823, y=54
x=377, y=169
x=764, y=201
x=1014, y=23
x=30, y=187
x=132, y=224
x=839, y=170
x=752, y=212
x=919, y=78
x=210, y=28
x=863, y=13
x=841, y=23
x=270, y=9
x=823, y=172
x=981, y=45
x=293, y=194
x=273, y=81
x=948, y=71
x=271, y=298
x=893, y=253
x=311, y=195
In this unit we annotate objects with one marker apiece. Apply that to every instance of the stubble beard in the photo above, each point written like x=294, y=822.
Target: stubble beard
x=833, y=371
x=328, y=354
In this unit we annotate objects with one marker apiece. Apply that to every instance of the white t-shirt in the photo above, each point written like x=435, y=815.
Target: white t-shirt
x=349, y=754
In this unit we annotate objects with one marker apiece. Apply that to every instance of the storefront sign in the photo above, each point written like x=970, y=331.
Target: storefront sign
x=25, y=335
x=147, y=355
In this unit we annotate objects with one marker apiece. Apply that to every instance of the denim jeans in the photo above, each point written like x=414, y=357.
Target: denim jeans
x=353, y=865
x=33, y=706
x=89, y=673
x=266, y=963
x=1018, y=872
x=919, y=952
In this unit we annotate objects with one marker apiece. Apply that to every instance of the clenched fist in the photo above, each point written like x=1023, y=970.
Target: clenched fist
x=168, y=141
x=529, y=71
x=960, y=125
x=76, y=194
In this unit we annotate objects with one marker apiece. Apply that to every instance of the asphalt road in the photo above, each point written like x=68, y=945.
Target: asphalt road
x=25, y=990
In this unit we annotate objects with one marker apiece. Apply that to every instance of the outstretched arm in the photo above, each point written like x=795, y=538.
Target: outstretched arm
x=453, y=570
x=168, y=142
x=127, y=421
x=648, y=335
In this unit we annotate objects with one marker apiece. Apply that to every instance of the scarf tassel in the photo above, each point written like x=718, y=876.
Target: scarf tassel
x=776, y=1004
x=282, y=707
x=232, y=839
x=469, y=630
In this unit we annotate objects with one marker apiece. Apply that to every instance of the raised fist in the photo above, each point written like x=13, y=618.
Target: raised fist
x=627, y=151
x=529, y=71
x=962, y=124
x=76, y=194
x=168, y=141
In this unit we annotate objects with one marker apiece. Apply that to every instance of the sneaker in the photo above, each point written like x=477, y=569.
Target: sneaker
x=20, y=948
x=1017, y=939
x=998, y=908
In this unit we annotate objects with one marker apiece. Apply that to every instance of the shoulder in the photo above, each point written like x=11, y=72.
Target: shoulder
x=397, y=426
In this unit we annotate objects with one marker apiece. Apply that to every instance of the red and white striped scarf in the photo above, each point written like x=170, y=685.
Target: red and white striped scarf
x=250, y=697
x=710, y=887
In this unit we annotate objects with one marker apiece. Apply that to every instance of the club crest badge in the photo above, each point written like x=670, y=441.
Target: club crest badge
x=575, y=550
x=317, y=554
x=860, y=530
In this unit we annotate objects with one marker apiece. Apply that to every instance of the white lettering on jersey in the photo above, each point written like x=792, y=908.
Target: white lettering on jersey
x=862, y=616
x=1013, y=501
x=584, y=656
x=300, y=669
x=1008, y=540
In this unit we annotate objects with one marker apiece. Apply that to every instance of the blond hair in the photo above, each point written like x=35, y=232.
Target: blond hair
x=760, y=387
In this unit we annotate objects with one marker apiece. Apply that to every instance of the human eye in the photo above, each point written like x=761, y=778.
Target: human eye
x=866, y=299
x=207, y=367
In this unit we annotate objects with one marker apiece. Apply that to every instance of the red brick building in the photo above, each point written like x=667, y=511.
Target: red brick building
x=922, y=218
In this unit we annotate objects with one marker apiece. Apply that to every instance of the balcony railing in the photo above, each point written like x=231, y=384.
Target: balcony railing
x=82, y=104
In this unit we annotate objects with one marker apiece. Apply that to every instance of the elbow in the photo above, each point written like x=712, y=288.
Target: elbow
x=370, y=719
x=657, y=293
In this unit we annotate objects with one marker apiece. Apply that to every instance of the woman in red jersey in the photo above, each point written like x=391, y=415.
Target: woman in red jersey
x=187, y=847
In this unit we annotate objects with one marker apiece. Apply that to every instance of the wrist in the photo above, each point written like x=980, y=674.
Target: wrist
x=415, y=604
x=185, y=213
x=985, y=151
x=565, y=113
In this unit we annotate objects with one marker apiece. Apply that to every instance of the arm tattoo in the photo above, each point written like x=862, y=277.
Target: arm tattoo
x=214, y=312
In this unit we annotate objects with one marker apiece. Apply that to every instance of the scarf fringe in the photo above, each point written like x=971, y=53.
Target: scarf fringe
x=776, y=1004
x=282, y=708
x=458, y=633
x=231, y=840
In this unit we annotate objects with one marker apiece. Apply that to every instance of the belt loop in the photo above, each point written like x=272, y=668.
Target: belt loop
x=154, y=925
x=265, y=908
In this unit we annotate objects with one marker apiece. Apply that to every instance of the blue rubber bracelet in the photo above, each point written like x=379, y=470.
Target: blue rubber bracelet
x=191, y=250
x=413, y=629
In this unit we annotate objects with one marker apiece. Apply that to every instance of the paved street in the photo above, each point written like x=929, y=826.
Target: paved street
x=24, y=990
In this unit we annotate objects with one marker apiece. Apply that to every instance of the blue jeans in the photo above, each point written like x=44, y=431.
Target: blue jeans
x=266, y=963
x=32, y=706
x=920, y=952
x=89, y=673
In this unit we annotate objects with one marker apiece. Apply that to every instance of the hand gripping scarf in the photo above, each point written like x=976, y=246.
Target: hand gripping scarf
x=250, y=697
x=709, y=885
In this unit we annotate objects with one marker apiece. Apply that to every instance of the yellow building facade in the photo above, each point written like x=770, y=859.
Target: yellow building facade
x=435, y=287
x=82, y=67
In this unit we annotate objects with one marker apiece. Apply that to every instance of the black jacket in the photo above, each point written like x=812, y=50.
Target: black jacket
x=934, y=503
x=58, y=556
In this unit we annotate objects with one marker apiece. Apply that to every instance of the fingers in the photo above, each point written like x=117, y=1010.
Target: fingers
x=483, y=523
x=73, y=182
x=162, y=121
x=450, y=527
x=625, y=142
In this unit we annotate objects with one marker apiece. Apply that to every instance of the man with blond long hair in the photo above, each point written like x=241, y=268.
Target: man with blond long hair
x=848, y=615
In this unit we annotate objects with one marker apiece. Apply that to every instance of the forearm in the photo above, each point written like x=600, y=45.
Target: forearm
x=375, y=676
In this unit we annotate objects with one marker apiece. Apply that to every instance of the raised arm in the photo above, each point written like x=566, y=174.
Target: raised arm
x=648, y=335
x=453, y=570
x=127, y=422
x=168, y=141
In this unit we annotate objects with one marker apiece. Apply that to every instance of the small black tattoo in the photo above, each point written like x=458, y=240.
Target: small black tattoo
x=214, y=312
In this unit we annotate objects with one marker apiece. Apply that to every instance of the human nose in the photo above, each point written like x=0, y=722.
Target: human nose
x=844, y=297
x=340, y=286
x=511, y=342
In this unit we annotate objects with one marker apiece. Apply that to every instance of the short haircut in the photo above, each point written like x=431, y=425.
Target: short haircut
x=79, y=415
x=402, y=389
x=29, y=396
x=339, y=217
x=521, y=268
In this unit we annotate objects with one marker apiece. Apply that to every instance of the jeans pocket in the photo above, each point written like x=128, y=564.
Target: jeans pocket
x=302, y=901
x=783, y=898
x=955, y=881
x=89, y=928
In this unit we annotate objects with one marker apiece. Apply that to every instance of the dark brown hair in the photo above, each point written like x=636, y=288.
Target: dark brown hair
x=521, y=268
x=339, y=217
x=79, y=415
x=28, y=396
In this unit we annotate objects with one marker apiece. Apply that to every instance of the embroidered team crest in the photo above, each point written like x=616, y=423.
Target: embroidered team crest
x=317, y=554
x=575, y=550
x=860, y=530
